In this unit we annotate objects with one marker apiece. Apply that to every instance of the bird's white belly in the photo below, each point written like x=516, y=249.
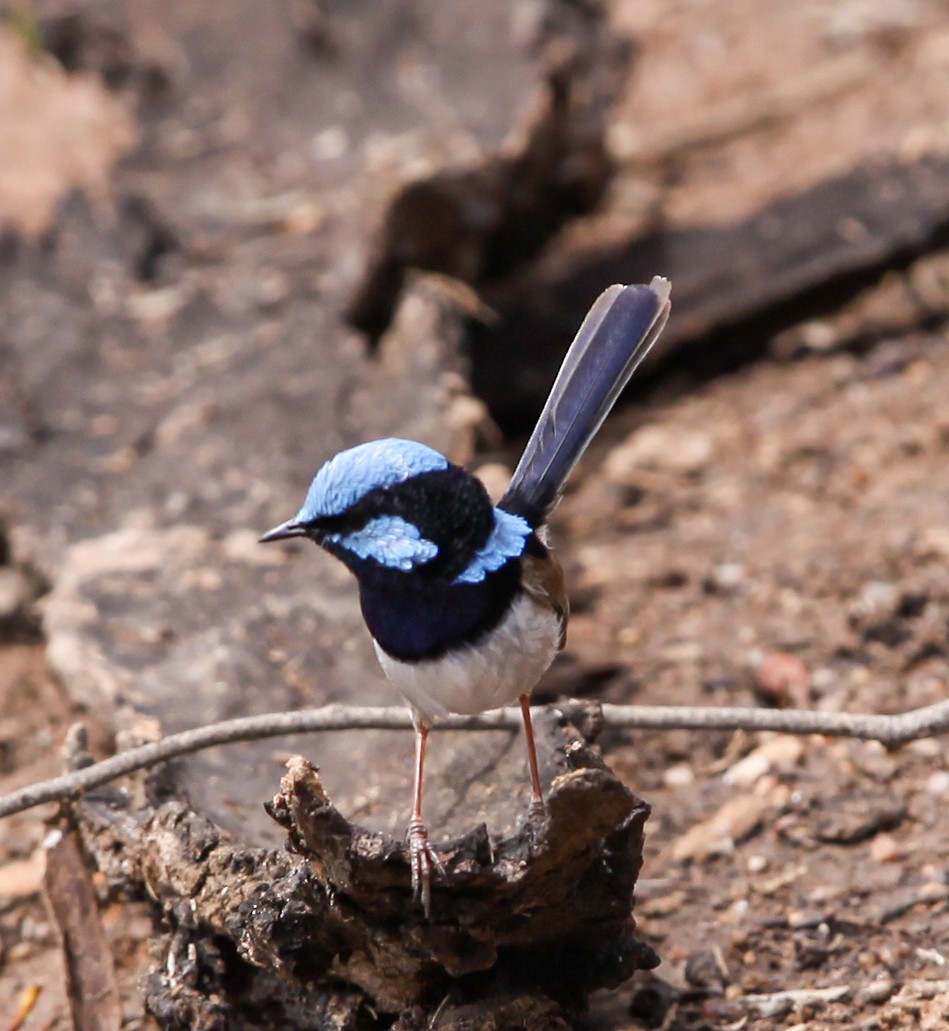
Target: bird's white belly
x=501, y=667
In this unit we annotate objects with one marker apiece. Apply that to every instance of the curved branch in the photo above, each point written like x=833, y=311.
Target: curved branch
x=889, y=730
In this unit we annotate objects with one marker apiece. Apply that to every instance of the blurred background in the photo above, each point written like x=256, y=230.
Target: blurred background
x=236, y=237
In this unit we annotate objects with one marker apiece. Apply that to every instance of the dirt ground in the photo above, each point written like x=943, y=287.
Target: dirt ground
x=773, y=532
x=821, y=866
x=821, y=863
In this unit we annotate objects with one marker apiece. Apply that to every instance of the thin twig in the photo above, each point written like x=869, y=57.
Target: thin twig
x=775, y=1003
x=921, y=989
x=890, y=730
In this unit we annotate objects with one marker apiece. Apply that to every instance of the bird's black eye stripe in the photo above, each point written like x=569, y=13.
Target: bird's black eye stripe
x=448, y=506
x=346, y=522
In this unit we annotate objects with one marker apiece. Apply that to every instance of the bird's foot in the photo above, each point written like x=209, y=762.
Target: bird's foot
x=537, y=811
x=424, y=861
x=536, y=822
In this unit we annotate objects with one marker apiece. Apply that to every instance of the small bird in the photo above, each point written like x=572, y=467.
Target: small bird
x=464, y=599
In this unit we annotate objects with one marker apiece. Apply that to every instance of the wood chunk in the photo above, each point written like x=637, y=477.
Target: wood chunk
x=530, y=922
x=735, y=820
x=815, y=248
x=91, y=986
x=552, y=901
x=861, y=816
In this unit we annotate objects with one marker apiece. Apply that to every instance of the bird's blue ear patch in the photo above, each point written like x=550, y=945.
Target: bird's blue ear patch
x=390, y=541
x=507, y=541
x=351, y=474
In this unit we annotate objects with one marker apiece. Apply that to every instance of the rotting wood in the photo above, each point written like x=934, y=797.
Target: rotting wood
x=90, y=973
x=797, y=258
x=541, y=917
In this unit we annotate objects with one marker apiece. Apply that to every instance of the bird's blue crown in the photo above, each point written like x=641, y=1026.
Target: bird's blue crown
x=351, y=474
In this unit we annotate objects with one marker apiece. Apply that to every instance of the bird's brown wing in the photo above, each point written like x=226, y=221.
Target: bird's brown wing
x=543, y=581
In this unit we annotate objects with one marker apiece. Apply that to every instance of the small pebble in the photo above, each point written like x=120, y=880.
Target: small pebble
x=15, y=592
x=798, y=918
x=784, y=750
x=705, y=969
x=937, y=783
x=679, y=776
x=664, y=905
x=818, y=335
x=757, y=864
x=737, y=818
x=728, y=576
x=934, y=541
x=21, y=878
x=927, y=747
x=877, y=600
x=330, y=144
x=682, y=651
x=877, y=991
x=822, y=679
x=738, y=910
x=783, y=680
x=747, y=771
x=884, y=848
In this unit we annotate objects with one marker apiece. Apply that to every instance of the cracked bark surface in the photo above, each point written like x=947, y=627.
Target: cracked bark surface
x=524, y=924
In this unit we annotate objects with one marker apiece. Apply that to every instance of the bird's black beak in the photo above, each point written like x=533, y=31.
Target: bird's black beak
x=284, y=531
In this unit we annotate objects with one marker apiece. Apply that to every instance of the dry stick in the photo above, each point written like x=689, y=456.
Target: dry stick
x=889, y=730
x=773, y=1004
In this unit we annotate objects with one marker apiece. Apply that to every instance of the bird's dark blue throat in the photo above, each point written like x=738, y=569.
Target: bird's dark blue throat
x=414, y=619
x=422, y=613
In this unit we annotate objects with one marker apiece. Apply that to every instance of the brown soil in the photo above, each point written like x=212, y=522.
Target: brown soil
x=806, y=530
x=772, y=534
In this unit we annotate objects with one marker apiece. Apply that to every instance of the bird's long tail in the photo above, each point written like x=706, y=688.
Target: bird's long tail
x=619, y=330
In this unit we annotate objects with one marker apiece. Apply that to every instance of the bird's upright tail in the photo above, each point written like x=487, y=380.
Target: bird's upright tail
x=619, y=330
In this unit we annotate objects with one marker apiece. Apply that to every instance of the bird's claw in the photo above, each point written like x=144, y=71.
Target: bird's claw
x=536, y=824
x=537, y=811
x=424, y=861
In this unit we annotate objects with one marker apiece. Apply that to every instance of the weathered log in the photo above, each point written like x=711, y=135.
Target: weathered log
x=523, y=926
x=798, y=257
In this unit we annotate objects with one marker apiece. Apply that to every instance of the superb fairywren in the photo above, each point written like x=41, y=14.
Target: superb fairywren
x=464, y=599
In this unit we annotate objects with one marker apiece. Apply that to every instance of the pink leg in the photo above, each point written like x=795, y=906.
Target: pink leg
x=421, y=854
x=537, y=807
